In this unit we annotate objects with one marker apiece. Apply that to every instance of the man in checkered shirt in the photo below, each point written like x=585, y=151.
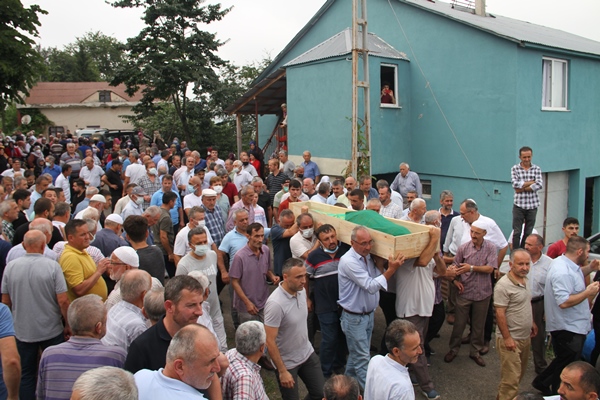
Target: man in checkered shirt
x=242, y=379
x=526, y=179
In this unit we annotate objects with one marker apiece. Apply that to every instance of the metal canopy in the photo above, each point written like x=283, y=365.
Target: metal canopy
x=265, y=97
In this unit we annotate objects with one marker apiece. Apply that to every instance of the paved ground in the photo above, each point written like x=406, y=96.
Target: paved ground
x=460, y=380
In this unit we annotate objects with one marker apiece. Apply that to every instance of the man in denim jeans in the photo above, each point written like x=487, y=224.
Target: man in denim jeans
x=359, y=284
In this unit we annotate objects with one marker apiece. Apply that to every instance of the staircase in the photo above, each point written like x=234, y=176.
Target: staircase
x=277, y=141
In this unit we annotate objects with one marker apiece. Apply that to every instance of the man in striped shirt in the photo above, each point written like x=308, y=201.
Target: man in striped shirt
x=61, y=365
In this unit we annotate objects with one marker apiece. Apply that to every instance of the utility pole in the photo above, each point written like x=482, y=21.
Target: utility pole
x=360, y=49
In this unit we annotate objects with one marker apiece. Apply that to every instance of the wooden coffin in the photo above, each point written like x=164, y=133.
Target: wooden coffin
x=410, y=245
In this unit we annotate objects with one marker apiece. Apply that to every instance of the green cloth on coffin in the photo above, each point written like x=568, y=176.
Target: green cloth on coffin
x=373, y=220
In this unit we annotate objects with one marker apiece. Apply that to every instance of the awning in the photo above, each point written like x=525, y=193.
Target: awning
x=265, y=97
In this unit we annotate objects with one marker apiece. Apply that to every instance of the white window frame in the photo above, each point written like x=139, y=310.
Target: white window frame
x=551, y=68
x=395, y=105
x=426, y=189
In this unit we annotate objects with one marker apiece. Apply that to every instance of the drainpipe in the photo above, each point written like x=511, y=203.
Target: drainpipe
x=480, y=8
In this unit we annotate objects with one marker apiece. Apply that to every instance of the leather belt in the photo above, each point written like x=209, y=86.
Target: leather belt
x=358, y=313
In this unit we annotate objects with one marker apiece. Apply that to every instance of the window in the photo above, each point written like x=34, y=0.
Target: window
x=554, y=84
x=426, y=184
x=105, y=96
x=389, y=85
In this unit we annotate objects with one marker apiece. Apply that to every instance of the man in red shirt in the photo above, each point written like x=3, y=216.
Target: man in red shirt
x=295, y=192
x=570, y=228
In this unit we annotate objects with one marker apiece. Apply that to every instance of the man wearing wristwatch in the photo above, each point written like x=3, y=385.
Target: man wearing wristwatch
x=473, y=263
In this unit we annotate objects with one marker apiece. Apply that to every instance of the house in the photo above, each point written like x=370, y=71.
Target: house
x=76, y=105
x=500, y=84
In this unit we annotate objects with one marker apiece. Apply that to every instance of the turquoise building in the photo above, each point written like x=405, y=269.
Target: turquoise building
x=470, y=91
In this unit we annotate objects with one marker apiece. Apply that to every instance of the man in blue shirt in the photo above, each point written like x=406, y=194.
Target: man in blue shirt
x=567, y=310
x=52, y=168
x=177, y=211
x=311, y=169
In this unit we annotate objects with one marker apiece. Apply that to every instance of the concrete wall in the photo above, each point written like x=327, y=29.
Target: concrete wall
x=75, y=118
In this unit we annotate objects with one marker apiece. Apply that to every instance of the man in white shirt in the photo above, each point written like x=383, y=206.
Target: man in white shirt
x=246, y=166
x=194, y=199
x=134, y=171
x=62, y=181
x=135, y=205
x=92, y=173
x=387, y=377
x=241, y=178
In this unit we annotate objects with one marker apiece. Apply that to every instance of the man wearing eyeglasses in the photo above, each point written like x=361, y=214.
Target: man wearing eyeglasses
x=359, y=282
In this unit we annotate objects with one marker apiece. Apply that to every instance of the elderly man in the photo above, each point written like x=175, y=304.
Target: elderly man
x=105, y=383
x=388, y=208
x=406, y=181
x=191, y=365
x=38, y=224
x=154, y=305
x=122, y=260
x=512, y=301
x=202, y=259
x=473, y=263
x=341, y=387
x=242, y=379
x=72, y=158
x=62, y=364
x=33, y=285
x=98, y=202
x=213, y=216
x=387, y=376
x=567, y=310
x=135, y=205
x=311, y=169
x=287, y=165
x=249, y=268
x=308, y=187
x=540, y=264
x=286, y=312
x=322, y=267
x=246, y=166
x=322, y=193
x=149, y=182
x=134, y=171
x=9, y=212
x=51, y=168
x=245, y=202
x=80, y=271
x=304, y=241
x=417, y=210
x=195, y=197
x=91, y=173
x=109, y=238
x=415, y=297
x=241, y=177
x=149, y=256
x=125, y=320
x=62, y=215
x=359, y=284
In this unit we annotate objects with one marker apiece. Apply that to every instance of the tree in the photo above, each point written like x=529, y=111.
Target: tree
x=106, y=52
x=20, y=63
x=172, y=56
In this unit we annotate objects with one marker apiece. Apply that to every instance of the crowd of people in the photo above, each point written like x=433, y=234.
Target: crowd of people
x=113, y=260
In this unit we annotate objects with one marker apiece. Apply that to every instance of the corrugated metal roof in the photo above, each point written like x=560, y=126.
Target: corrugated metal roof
x=512, y=29
x=341, y=44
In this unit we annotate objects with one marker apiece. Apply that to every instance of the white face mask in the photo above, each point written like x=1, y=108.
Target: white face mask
x=307, y=233
x=218, y=189
x=139, y=201
x=236, y=170
x=201, y=224
x=153, y=171
x=201, y=250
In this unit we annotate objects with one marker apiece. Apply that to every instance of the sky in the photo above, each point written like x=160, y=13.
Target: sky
x=258, y=28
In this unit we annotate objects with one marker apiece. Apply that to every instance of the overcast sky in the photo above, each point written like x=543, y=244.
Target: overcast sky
x=255, y=28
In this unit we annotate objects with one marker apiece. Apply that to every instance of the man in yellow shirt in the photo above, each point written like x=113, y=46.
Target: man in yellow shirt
x=81, y=273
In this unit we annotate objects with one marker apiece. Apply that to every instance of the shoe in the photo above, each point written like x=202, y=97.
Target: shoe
x=265, y=363
x=450, y=319
x=478, y=360
x=485, y=349
x=450, y=356
x=432, y=394
x=466, y=340
x=414, y=381
x=431, y=351
x=544, y=389
x=428, y=360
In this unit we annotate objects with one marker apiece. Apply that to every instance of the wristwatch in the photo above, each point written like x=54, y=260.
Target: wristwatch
x=471, y=268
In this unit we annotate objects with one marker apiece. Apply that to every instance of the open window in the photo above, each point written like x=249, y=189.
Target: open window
x=554, y=84
x=389, y=85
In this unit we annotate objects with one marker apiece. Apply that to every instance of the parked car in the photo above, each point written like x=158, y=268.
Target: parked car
x=123, y=134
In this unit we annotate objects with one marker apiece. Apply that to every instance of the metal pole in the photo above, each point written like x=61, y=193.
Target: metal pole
x=365, y=83
x=238, y=126
x=354, y=159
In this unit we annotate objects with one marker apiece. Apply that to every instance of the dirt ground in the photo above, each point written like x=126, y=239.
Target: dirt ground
x=460, y=380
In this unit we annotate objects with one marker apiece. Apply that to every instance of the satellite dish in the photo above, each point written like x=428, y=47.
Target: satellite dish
x=26, y=119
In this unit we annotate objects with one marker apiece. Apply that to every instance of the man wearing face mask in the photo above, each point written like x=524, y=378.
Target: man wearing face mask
x=216, y=184
x=51, y=168
x=150, y=183
x=182, y=245
x=202, y=259
x=240, y=178
x=285, y=188
x=135, y=205
x=246, y=166
x=304, y=241
x=321, y=267
x=194, y=199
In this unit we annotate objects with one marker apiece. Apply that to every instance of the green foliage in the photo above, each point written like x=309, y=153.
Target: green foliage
x=20, y=63
x=10, y=120
x=91, y=58
x=363, y=166
x=172, y=56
